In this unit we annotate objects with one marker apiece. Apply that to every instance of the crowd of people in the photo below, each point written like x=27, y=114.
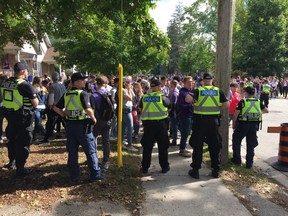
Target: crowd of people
x=165, y=106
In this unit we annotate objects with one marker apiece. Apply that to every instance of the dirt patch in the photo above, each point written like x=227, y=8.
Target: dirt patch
x=50, y=181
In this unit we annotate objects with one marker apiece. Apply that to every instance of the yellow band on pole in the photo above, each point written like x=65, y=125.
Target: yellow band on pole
x=120, y=117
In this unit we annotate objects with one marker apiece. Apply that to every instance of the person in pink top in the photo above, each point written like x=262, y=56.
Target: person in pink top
x=235, y=97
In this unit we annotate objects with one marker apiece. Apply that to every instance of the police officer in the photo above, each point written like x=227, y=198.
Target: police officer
x=207, y=101
x=79, y=126
x=154, y=116
x=265, y=91
x=246, y=120
x=19, y=101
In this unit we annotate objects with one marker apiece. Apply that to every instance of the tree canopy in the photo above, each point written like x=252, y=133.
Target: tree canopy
x=260, y=44
x=95, y=35
x=259, y=38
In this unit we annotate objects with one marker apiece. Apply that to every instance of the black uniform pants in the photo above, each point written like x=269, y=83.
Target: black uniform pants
x=205, y=128
x=19, y=133
x=264, y=98
x=53, y=117
x=248, y=130
x=155, y=131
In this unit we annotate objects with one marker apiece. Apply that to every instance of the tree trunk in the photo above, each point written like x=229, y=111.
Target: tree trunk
x=223, y=64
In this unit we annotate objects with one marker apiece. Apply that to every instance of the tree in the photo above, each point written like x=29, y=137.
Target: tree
x=94, y=34
x=199, y=36
x=263, y=37
x=197, y=57
x=174, y=32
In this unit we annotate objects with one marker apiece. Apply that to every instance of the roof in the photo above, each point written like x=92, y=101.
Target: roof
x=49, y=56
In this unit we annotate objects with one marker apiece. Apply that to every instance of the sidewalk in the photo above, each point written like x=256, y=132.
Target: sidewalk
x=176, y=193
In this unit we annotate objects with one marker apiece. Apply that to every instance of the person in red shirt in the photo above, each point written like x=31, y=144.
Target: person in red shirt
x=235, y=97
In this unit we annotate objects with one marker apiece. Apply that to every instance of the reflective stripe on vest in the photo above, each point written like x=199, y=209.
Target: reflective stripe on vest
x=208, y=102
x=251, y=110
x=73, y=106
x=153, y=108
x=266, y=88
x=12, y=99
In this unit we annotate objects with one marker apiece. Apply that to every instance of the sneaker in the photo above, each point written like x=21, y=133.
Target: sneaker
x=124, y=142
x=10, y=166
x=131, y=148
x=97, y=178
x=143, y=170
x=185, y=153
x=248, y=166
x=173, y=143
x=235, y=162
x=113, y=139
x=75, y=181
x=44, y=141
x=105, y=165
x=194, y=173
x=165, y=170
x=24, y=172
x=215, y=173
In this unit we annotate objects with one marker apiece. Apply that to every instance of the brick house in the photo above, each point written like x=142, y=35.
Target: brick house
x=38, y=56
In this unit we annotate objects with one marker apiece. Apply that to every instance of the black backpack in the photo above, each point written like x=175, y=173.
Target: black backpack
x=106, y=111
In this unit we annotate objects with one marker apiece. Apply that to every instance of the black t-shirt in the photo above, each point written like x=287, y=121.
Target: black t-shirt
x=27, y=90
x=84, y=98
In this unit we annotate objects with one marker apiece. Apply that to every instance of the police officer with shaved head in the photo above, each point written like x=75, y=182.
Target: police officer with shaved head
x=19, y=101
x=207, y=101
x=154, y=106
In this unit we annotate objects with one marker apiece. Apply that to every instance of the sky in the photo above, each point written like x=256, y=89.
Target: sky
x=163, y=13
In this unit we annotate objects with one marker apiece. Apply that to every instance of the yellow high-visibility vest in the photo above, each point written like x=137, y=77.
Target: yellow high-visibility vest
x=73, y=106
x=251, y=112
x=153, y=108
x=208, y=102
x=12, y=99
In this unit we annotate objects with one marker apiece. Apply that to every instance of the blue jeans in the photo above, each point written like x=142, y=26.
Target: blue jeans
x=127, y=124
x=38, y=123
x=185, y=130
x=174, y=125
x=76, y=136
x=114, y=125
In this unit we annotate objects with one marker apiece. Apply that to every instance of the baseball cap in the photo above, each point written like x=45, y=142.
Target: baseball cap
x=78, y=76
x=207, y=76
x=250, y=90
x=155, y=82
x=20, y=66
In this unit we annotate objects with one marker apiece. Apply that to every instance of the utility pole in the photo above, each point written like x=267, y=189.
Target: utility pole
x=226, y=10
